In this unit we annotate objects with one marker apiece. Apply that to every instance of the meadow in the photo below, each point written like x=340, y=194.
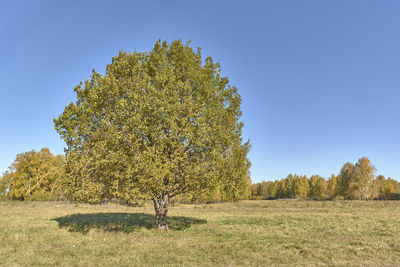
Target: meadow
x=252, y=232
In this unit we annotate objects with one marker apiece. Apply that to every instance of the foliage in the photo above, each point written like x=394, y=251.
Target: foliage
x=346, y=181
x=302, y=187
x=156, y=125
x=364, y=182
x=34, y=176
x=353, y=182
x=318, y=187
x=388, y=189
x=4, y=187
x=234, y=171
x=332, y=187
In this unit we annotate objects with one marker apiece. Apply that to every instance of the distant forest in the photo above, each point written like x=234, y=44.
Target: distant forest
x=355, y=181
x=40, y=176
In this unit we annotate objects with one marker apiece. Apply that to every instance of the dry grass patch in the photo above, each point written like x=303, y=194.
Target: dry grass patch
x=282, y=232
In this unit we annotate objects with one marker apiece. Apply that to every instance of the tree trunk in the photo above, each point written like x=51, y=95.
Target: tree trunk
x=161, y=207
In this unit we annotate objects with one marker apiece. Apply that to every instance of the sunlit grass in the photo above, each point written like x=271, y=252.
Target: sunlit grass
x=245, y=233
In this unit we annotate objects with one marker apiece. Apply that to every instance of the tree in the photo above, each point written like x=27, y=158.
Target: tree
x=156, y=125
x=268, y=190
x=345, y=181
x=332, y=187
x=318, y=187
x=272, y=188
x=4, y=187
x=364, y=179
x=35, y=176
x=234, y=172
x=389, y=189
x=357, y=181
x=290, y=186
x=280, y=185
x=256, y=190
x=302, y=186
x=235, y=182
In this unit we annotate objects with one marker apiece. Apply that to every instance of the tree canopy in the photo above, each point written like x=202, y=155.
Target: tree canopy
x=33, y=176
x=157, y=124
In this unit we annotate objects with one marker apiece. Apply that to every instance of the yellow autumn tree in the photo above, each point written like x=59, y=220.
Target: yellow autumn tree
x=35, y=176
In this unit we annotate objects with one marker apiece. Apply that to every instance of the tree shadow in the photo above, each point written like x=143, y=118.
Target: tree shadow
x=120, y=222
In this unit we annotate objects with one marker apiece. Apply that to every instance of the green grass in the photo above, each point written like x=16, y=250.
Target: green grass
x=236, y=234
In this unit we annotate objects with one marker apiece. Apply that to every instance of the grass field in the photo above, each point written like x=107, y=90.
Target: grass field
x=281, y=232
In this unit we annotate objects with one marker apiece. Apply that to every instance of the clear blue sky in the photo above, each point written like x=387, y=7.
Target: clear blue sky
x=320, y=80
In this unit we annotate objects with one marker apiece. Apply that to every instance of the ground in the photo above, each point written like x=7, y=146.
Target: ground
x=276, y=232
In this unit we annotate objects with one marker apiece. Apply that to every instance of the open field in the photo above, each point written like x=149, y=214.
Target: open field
x=280, y=232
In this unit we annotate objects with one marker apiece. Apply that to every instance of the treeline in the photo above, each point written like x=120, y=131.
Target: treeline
x=40, y=175
x=354, y=181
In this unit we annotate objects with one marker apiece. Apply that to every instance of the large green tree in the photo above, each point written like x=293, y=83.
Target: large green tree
x=157, y=124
